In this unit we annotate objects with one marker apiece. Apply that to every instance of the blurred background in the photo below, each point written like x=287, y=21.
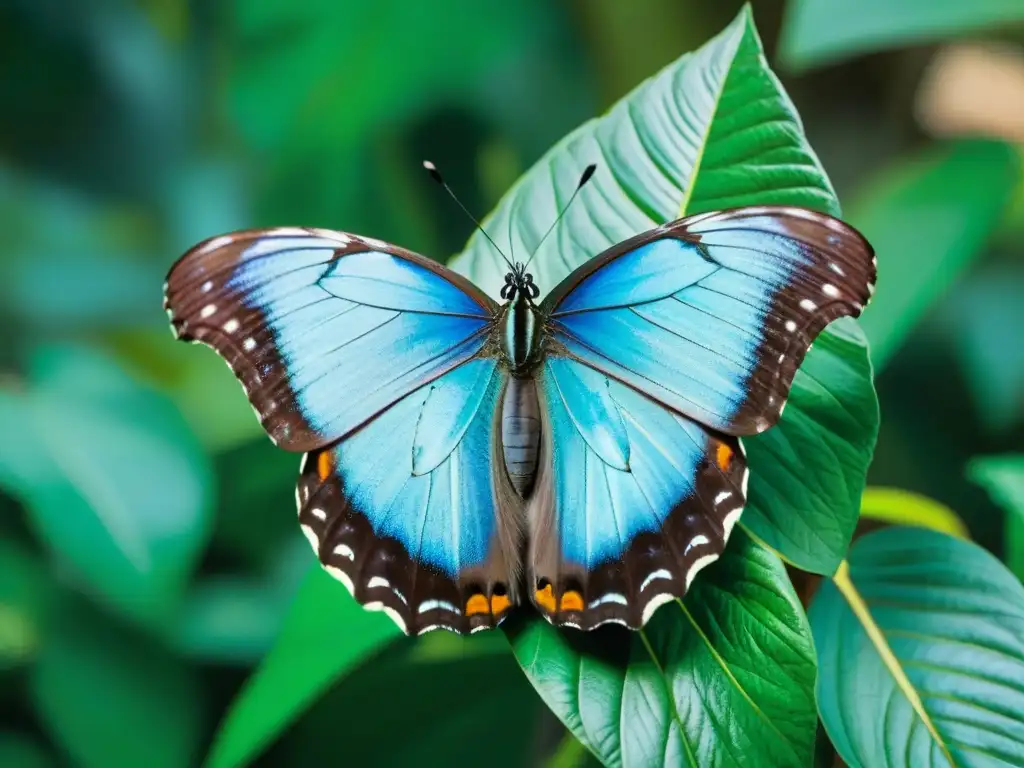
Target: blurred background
x=148, y=546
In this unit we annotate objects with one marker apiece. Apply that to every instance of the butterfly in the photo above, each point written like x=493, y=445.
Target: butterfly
x=582, y=452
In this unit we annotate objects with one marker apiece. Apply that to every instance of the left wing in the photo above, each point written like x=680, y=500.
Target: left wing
x=631, y=502
x=413, y=512
x=324, y=329
x=712, y=315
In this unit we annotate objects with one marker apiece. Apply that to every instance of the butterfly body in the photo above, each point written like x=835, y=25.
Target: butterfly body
x=581, y=452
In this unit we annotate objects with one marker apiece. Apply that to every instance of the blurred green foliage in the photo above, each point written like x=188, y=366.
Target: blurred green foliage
x=149, y=556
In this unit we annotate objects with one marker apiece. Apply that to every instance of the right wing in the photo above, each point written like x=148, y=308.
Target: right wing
x=632, y=500
x=324, y=329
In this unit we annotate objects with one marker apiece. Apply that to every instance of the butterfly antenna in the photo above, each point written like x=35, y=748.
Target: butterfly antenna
x=436, y=176
x=588, y=173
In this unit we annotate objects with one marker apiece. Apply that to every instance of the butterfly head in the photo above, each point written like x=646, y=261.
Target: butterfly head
x=519, y=281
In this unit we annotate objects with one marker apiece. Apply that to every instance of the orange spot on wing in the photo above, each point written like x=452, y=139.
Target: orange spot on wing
x=545, y=598
x=572, y=601
x=723, y=456
x=499, y=604
x=323, y=465
x=477, y=604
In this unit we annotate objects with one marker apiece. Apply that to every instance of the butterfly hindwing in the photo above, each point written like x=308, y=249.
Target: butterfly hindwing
x=713, y=314
x=632, y=500
x=411, y=512
x=324, y=329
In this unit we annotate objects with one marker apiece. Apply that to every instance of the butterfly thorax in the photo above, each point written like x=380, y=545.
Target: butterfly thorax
x=519, y=322
x=520, y=331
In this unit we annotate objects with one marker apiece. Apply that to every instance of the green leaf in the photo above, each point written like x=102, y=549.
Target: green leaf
x=459, y=711
x=1003, y=478
x=326, y=635
x=894, y=506
x=713, y=130
x=111, y=700
x=929, y=218
x=816, y=32
x=724, y=677
x=921, y=653
x=26, y=598
x=116, y=485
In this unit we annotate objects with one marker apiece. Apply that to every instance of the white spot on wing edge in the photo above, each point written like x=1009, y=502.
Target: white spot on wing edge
x=699, y=540
x=341, y=576
x=790, y=326
x=378, y=581
x=311, y=537
x=231, y=325
x=698, y=565
x=444, y=605
x=836, y=268
x=344, y=550
x=722, y=496
x=730, y=520
x=661, y=573
x=830, y=290
x=611, y=597
x=249, y=344
x=481, y=628
x=808, y=305
x=207, y=286
x=208, y=310
x=654, y=604
x=318, y=513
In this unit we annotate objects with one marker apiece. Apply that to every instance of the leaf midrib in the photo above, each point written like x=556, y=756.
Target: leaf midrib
x=877, y=638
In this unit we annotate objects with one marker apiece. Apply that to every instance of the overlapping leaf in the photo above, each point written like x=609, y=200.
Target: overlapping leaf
x=921, y=653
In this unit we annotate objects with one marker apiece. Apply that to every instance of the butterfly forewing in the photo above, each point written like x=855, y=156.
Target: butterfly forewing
x=324, y=329
x=720, y=310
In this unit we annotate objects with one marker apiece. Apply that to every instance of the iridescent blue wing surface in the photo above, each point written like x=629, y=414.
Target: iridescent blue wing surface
x=324, y=329
x=374, y=361
x=413, y=511
x=712, y=315
x=660, y=353
x=632, y=500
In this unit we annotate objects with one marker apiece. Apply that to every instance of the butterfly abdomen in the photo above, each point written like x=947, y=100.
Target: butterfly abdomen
x=520, y=433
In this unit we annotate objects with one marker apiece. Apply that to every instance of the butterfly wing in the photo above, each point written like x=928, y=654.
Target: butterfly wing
x=661, y=352
x=324, y=329
x=632, y=501
x=712, y=315
x=411, y=512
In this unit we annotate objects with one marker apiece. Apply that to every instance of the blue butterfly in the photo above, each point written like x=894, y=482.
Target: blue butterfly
x=463, y=456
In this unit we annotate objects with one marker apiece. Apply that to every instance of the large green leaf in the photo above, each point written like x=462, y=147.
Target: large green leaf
x=723, y=677
x=1003, y=478
x=325, y=635
x=714, y=129
x=929, y=217
x=816, y=32
x=111, y=700
x=113, y=480
x=921, y=653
